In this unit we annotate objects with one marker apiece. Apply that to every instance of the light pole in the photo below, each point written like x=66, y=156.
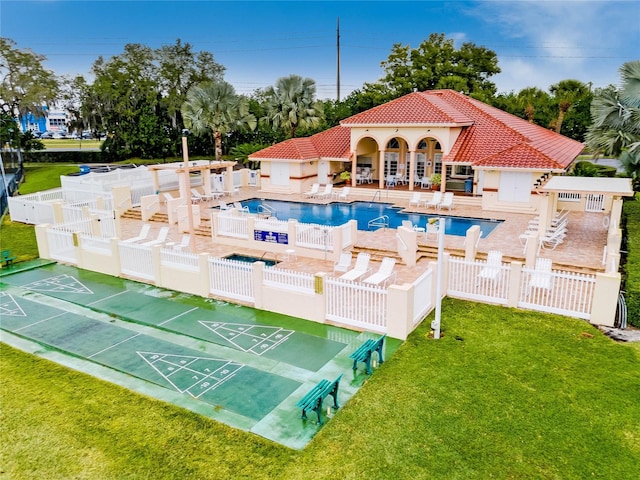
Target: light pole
x=435, y=324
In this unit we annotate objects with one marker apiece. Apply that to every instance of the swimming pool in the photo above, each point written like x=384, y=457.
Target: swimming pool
x=249, y=259
x=338, y=213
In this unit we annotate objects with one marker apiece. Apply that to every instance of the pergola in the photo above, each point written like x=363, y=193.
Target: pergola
x=203, y=167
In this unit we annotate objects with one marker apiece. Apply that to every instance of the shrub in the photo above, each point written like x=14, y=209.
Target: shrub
x=631, y=220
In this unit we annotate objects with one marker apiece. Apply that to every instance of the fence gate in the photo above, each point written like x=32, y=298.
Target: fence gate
x=595, y=202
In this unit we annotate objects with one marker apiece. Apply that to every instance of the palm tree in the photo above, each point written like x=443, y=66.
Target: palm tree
x=615, y=113
x=291, y=104
x=566, y=92
x=215, y=107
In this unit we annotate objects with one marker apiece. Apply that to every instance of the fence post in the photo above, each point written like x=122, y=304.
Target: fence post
x=513, y=289
x=155, y=260
x=58, y=215
x=605, y=299
x=43, y=241
x=400, y=310
x=257, y=276
x=203, y=274
x=471, y=243
x=114, y=243
x=531, y=250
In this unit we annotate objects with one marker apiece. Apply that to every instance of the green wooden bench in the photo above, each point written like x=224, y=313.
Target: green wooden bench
x=364, y=352
x=7, y=258
x=313, y=399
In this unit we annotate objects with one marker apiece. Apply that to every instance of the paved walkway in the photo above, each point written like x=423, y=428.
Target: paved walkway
x=582, y=249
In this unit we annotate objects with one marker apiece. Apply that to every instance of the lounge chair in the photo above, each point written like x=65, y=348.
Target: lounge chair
x=242, y=209
x=142, y=235
x=344, y=263
x=313, y=191
x=408, y=224
x=344, y=193
x=360, y=268
x=223, y=205
x=542, y=276
x=390, y=181
x=384, y=272
x=161, y=238
x=196, y=196
x=416, y=199
x=447, y=201
x=326, y=193
x=552, y=239
x=435, y=201
x=493, y=268
x=184, y=243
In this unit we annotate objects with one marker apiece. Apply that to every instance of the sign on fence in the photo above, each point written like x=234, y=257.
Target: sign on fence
x=271, y=237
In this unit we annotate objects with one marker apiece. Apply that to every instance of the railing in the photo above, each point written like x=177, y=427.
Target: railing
x=231, y=279
x=314, y=236
x=96, y=244
x=569, y=196
x=184, y=260
x=565, y=294
x=423, y=296
x=136, y=261
x=594, y=203
x=264, y=208
x=356, y=304
x=467, y=281
x=232, y=225
x=61, y=246
x=377, y=194
x=289, y=280
x=379, y=222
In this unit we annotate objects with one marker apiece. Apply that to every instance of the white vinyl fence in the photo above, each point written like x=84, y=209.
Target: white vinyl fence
x=356, y=304
x=289, y=280
x=231, y=278
x=136, y=261
x=466, y=281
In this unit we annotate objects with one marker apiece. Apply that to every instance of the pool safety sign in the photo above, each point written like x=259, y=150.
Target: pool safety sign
x=271, y=237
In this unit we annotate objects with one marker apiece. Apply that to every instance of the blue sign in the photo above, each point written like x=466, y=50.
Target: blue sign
x=271, y=237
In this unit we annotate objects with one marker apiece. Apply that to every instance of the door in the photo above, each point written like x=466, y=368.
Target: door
x=515, y=187
x=323, y=172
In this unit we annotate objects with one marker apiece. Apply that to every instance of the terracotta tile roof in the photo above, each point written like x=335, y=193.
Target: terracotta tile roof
x=495, y=131
x=414, y=108
x=332, y=143
x=490, y=137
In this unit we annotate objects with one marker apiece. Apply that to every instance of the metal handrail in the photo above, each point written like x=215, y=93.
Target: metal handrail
x=263, y=207
x=381, y=221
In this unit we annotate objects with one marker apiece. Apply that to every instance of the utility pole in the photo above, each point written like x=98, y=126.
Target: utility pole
x=338, y=58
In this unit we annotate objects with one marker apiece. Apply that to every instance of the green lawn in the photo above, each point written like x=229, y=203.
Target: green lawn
x=503, y=394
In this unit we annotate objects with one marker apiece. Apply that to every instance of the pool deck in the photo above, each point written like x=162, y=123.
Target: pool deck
x=582, y=249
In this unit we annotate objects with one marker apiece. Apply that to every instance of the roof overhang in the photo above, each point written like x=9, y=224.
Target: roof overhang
x=584, y=185
x=193, y=166
x=406, y=125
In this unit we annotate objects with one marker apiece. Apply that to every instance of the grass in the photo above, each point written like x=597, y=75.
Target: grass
x=503, y=394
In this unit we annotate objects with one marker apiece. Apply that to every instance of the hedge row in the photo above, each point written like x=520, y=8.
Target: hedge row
x=631, y=213
x=75, y=156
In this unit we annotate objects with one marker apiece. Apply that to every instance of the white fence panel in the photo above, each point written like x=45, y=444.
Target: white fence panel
x=318, y=237
x=422, y=296
x=232, y=225
x=232, y=279
x=356, y=304
x=475, y=280
x=289, y=280
x=594, y=203
x=95, y=244
x=136, y=261
x=61, y=246
x=31, y=210
x=175, y=258
x=564, y=293
x=347, y=241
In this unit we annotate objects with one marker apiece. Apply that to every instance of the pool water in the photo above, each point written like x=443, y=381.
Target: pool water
x=338, y=213
x=250, y=259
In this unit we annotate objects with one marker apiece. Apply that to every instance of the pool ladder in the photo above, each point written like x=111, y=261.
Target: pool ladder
x=266, y=209
x=379, y=222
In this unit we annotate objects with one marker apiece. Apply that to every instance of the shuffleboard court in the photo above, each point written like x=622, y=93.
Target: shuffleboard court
x=221, y=383
x=226, y=325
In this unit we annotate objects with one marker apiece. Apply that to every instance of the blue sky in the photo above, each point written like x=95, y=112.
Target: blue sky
x=538, y=43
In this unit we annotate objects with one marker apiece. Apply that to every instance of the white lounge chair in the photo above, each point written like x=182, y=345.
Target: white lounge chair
x=344, y=263
x=326, y=193
x=447, y=201
x=313, y=191
x=542, y=277
x=432, y=228
x=196, y=196
x=241, y=208
x=360, y=268
x=167, y=196
x=142, y=235
x=161, y=238
x=344, y=193
x=425, y=182
x=408, y=224
x=223, y=205
x=493, y=268
x=435, y=201
x=416, y=199
x=552, y=239
x=384, y=272
x=184, y=243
